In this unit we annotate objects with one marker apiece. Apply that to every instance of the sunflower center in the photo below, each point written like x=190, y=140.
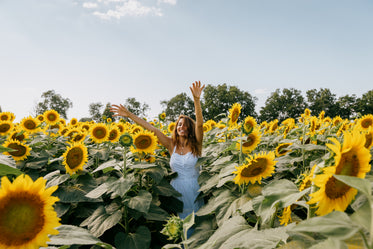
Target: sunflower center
x=113, y=135
x=283, y=148
x=366, y=123
x=19, y=150
x=4, y=117
x=99, y=133
x=249, y=141
x=21, y=219
x=29, y=124
x=18, y=136
x=143, y=142
x=335, y=189
x=348, y=165
x=52, y=117
x=235, y=115
x=255, y=168
x=74, y=157
x=4, y=128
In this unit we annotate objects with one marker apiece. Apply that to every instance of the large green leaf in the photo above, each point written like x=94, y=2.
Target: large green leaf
x=254, y=239
x=330, y=243
x=73, y=235
x=73, y=194
x=139, y=240
x=336, y=225
x=112, y=163
x=225, y=231
x=102, y=220
x=362, y=185
x=156, y=173
x=141, y=202
x=156, y=213
x=7, y=170
x=55, y=178
x=164, y=188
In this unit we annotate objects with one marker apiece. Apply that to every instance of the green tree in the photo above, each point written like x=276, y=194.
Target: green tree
x=53, y=101
x=95, y=111
x=347, y=106
x=219, y=99
x=107, y=113
x=282, y=105
x=365, y=103
x=322, y=100
x=180, y=104
x=137, y=108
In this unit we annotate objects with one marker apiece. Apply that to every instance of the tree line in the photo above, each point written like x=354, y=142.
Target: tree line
x=217, y=100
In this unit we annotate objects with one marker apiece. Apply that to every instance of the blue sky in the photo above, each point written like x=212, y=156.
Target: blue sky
x=109, y=50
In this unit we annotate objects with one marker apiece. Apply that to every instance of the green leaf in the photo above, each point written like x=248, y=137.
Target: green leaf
x=187, y=224
x=254, y=239
x=362, y=216
x=7, y=170
x=55, y=178
x=73, y=235
x=121, y=186
x=156, y=173
x=73, y=194
x=362, y=185
x=139, y=240
x=109, y=164
x=225, y=231
x=141, y=202
x=142, y=166
x=156, y=213
x=101, y=220
x=330, y=243
x=336, y=225
x=7, y=161
x=164, y=188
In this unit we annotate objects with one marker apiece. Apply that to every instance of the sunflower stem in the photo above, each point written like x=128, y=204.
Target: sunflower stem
x=240, y=156
x=371, y=223
x=365, y=239
x=124, y=162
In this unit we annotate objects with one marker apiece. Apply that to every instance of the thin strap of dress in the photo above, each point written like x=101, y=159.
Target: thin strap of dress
x=174, y=149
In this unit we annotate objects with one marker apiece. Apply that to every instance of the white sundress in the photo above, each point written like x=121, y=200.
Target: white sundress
x=186, y=181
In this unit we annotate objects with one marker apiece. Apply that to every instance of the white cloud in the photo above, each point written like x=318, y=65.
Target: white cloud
x=90, y=5
x=116, y=9
x=172, y=2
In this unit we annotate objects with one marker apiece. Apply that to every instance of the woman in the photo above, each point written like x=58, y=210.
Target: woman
x=184, y=146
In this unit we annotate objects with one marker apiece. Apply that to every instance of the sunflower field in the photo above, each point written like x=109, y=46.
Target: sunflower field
x=299, y=183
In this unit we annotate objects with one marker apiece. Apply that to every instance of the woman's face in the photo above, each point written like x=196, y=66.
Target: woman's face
x=181, y=128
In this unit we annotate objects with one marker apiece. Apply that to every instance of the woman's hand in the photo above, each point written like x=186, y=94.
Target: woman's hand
x=119, y=110
x=197, y=89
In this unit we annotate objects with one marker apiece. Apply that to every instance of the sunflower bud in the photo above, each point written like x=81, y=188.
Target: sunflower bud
x=173, y=228
x=126, y=140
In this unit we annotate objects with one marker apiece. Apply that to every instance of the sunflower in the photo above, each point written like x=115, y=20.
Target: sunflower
x=114, y=134
x=51, y=117
x=351, y=159
x=121, y=127
x=285, y=219
x=40, y=117
x=307, y=112
x=27, y=215
x=281, y=149
x=5, y=127
x=337, y=120
x=369, y=139
x=99, y=133
x=322, y=115
x=30, y=124
x=206, y=127
x=307, y=179
x=252, y=140
x=234, y=113
x=21, y=150
x=162, y=116
x=75, y=157
x=18, y=134
x=126, y=140
x=144, y=141
x=260, y=166
x=73, y=121
x=79, y=136
x=171, y=127
x=366, y=121
x=136, y=128
x=7, y=116
x=249, y=124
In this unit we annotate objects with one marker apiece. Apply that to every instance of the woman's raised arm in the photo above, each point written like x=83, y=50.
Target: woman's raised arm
x=197, y=89
x=120, y=110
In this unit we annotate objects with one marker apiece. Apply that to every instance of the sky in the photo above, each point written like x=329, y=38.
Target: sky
x=109, y=50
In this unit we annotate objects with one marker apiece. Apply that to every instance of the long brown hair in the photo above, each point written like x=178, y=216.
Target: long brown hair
x=191, y=138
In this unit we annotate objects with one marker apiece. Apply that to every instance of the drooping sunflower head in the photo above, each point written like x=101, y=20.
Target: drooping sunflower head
x=27, y=216
x=234, y=113
x=307, y=112
x=30, y=124
x=250, y=143
x=136, y=128
x=285, y=218
x=351, y=159
x=249, y=124
x=75, y=157
x=322, y=115
x=282, y=149
x=262, y=165
x=126, y=140
x=51, y=117
x=337, y=120
x=79, y=136
x=206, y=127
x=366, y=122
x=20, y=150
x=144, y=141
x=99, y=133
x=171, y=127
x=6, y=127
